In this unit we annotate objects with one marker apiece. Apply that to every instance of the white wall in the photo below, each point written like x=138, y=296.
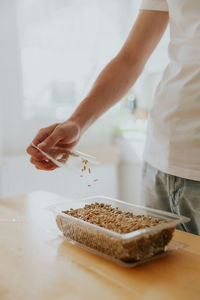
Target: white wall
x=130, y=168
x=10, y=75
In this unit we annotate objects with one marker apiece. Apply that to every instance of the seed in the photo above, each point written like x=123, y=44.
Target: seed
x=112, y=218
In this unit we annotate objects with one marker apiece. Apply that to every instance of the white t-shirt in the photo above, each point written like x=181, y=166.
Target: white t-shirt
x=173, y=136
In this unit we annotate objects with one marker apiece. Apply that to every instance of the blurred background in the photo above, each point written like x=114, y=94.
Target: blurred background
x=51, y=51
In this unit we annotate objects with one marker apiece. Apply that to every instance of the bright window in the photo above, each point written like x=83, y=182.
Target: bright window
x=51, y=53
x=64, y=45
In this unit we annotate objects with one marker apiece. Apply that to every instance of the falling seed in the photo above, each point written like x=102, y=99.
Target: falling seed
x=89, y=170
x=95, y=180
x=81, y=175
x=89, y=185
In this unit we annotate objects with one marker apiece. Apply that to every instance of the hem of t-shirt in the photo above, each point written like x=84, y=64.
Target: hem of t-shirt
x=174, y=170
x=154, y=5
x=154, y=9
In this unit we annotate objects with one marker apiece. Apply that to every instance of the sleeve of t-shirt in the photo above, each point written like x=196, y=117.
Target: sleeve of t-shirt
x=154, y=5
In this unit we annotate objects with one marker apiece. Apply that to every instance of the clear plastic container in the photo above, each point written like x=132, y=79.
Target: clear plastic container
x=70, y=159
x=127, y=249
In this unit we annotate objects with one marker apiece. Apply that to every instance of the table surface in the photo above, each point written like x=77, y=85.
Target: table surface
x=36, y=262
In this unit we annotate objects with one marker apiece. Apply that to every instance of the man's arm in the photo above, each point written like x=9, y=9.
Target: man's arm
x=122, y=72
x=112, y=83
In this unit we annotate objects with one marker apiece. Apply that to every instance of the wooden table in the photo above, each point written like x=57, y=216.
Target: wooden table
x=37, y=263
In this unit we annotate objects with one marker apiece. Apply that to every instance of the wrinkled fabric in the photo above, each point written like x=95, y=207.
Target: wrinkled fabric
x=174, y=194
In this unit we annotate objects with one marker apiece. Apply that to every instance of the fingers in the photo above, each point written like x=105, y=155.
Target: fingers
x=42, y=162
x=35, y=153
x=40, y=137
x=45, y=168
x=50, y=141
x=67, y=146
x=45, y=165
x=63, y=158
x=55, y=141
x=54, y=152
x=67, y=133
x=43, y=133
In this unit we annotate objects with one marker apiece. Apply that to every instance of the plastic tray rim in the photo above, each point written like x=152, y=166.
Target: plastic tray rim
x=123, y=236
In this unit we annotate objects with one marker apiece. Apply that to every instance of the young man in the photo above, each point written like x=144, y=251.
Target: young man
x=172, y=154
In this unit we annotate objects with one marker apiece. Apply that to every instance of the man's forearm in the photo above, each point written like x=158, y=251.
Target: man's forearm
x=112, y=83
x=121, y=73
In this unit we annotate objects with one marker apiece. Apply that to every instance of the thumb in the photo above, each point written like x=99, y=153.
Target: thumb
x=50, y=141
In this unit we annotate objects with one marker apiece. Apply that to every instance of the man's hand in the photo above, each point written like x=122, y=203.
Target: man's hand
x=54, y=140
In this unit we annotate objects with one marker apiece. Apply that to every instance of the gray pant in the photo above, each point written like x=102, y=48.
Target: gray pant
x=174, y=194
